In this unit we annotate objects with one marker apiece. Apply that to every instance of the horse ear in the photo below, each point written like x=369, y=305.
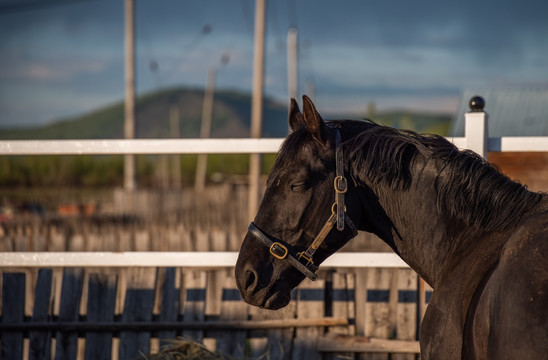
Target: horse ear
x=313, y=121
x=295, y=117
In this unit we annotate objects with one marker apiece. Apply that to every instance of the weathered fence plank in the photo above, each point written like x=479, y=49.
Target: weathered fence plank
x=71, y=293
x=138, y=306
x=40, y=341
x=279, y=341
x=13, y=311
x=232, y=308
x=310, y=303
x=193, y=289
x=169, y=304
x=406, y=287
x=100, y=308
x=342, y=306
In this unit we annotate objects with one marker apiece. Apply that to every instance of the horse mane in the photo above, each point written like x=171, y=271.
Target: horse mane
x=468, y=187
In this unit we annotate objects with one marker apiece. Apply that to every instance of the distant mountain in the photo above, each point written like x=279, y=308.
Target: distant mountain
x=231, y=118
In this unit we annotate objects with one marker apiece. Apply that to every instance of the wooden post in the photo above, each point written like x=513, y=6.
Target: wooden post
x=475, y=127
x=175, y=130
x=292, y=64
x=129, y=124
x=205, y=130
x=256, y=106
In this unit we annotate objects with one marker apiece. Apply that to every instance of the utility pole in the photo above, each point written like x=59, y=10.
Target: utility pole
x=175, y=130
x=205, y=130
x=256, y=106
x=292, y=63
x=129, y=123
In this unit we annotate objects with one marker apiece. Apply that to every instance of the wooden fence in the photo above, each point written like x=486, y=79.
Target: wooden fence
x=111, y=309
x=103, y=313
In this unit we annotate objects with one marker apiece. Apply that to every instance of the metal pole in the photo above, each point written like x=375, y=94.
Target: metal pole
x=129, y=124
x=205, y=130
x=256, y=105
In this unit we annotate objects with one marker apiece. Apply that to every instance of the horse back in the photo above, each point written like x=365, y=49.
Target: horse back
x=508, y=317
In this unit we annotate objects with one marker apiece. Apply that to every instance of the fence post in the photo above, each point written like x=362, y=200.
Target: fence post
x=475, y=127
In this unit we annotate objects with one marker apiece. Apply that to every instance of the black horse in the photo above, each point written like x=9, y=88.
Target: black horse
x=478, y=238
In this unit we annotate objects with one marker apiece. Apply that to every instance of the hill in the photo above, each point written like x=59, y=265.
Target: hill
x=231, y=118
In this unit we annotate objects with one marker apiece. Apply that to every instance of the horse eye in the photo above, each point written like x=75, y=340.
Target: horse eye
x=299, y=186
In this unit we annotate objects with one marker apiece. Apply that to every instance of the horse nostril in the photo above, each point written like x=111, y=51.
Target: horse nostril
x=250, y=280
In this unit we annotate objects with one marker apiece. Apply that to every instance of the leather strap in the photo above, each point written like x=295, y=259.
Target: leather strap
x=308, y=270
x=340, y=183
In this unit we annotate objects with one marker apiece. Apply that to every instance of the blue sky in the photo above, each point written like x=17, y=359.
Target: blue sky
x=64, y=58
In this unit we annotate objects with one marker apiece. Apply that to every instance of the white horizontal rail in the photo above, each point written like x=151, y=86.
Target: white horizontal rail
x=139, y=146
x=211, y=146
x=177, y=259
x=518, y=143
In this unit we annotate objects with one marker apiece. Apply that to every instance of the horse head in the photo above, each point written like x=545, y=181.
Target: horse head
x=304, y=216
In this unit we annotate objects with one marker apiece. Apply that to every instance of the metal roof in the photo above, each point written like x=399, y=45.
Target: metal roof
x=512, y=112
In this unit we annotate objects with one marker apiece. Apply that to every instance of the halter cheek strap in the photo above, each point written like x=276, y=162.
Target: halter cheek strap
x=303, y=261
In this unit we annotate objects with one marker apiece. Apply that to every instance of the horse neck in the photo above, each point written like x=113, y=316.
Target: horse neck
x=415, y=227
x=431, y=203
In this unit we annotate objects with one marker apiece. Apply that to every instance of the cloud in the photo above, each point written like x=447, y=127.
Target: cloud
x=49, y=70
x=395, y=53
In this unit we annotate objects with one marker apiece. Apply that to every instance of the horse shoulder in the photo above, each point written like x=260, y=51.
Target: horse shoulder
x=510, y=318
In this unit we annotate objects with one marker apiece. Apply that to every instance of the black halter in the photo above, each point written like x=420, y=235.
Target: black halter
x=303, y=261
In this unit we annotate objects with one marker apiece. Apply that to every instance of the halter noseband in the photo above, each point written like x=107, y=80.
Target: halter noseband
x=303, y=261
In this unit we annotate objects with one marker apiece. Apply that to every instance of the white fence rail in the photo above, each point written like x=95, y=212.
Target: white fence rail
x=208, y=259
x=139, y=146
x=476, y=138
x=218, y=146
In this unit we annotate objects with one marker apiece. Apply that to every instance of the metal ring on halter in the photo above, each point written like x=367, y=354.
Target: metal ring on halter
x=334, y=208
x=340, y=184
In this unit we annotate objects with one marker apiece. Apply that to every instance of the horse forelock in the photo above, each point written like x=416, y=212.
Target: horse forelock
x=298, y=146
x=468, y=187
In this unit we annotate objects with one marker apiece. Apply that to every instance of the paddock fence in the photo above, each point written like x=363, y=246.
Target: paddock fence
x=72, y=301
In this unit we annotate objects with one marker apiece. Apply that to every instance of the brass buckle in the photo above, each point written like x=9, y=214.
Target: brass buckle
x=340, y=184
x=275, y=251
x=308, y=260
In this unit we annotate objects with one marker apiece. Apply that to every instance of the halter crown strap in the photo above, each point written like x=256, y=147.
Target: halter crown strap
x=340, y=183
